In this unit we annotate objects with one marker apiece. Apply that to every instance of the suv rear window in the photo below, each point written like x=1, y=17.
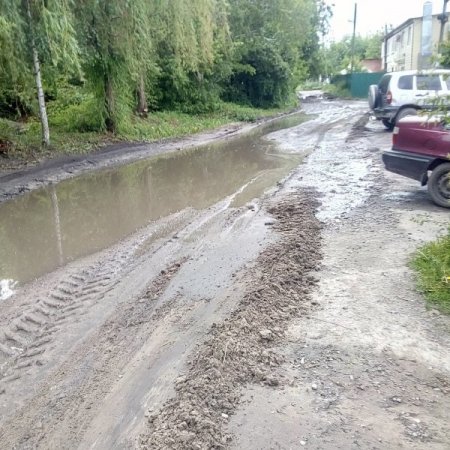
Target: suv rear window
x=428, y=83
x=405, y=82
x=384, y=83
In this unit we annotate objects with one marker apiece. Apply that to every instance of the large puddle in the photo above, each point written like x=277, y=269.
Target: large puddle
x=45, y=229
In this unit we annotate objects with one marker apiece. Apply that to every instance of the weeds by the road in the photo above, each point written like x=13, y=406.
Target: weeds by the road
x=73, y=132
x=432, y=262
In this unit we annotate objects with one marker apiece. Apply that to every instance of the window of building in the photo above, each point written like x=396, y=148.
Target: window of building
x=408, y=39
x=398, y=42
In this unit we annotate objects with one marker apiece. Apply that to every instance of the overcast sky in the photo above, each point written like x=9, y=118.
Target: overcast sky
x=373, y=15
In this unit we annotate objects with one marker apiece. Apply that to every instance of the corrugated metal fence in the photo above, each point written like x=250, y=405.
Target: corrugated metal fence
x=357, y=83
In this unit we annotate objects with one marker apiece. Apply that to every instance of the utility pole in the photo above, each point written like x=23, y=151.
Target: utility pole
x=385, y=47
x=352, y=62
x=443, y=18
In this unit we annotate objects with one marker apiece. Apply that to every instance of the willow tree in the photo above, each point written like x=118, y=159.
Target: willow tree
x=115, y=36
x=36, y=33
x=192, y=41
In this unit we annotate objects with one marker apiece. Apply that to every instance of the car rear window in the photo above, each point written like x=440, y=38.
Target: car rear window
x=405, y=82
x=428, y=83
x=384, y=83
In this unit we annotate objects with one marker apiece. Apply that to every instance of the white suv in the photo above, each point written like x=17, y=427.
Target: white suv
x=401, y=94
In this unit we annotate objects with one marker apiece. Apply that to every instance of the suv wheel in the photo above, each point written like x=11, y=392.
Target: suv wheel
x=374, y=96
x=388, y=124
x=405, y=112
x=439, y=185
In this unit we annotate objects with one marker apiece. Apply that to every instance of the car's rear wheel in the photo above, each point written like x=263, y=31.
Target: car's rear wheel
x=388, y=124
x=439, y=185
x=405, y=112
x=374, y=96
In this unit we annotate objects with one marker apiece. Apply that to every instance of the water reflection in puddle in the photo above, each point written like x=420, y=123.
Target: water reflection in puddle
x=52, y=226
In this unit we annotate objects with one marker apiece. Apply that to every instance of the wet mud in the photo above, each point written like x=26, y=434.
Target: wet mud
x=50, y=227
x=277, y=311
x=239, y=351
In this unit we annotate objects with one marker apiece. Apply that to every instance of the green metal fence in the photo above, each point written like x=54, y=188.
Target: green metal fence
x=360, y=83
x=357, y=83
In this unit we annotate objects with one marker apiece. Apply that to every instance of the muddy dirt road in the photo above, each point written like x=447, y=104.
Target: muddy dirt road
x=271, y=308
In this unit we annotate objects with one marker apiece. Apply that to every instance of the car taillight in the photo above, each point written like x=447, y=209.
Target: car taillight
x=389, y=97
x=395, y=134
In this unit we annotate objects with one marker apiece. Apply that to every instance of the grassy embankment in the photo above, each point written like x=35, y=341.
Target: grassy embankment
x=432, y=263
x=73, y=130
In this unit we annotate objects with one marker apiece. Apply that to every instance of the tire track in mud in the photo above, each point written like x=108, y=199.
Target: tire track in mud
x=31, y=332
x=241, y=349
x=61, y=411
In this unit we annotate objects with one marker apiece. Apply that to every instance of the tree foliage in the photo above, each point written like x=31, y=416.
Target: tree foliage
x=271, y=39
x=56, y=45
x=118, y=57
x=338, y=55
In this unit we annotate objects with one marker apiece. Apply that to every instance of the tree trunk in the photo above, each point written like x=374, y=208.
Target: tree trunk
x=110, y=120
x=142, y=107
x=37, y=75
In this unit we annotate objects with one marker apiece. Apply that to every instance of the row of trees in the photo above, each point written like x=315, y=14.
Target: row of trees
x=141, y=55
x=338, y=55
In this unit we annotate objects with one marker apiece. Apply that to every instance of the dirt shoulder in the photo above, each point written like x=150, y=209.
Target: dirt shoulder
x=56, y=170
x=16, y=182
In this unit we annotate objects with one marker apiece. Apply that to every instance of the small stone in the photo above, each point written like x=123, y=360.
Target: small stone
x=302, y=443
x=186, y=436
x=314, y=387
x=180, y=380
x=225, y=416
x=271, y=381
x=266, y=335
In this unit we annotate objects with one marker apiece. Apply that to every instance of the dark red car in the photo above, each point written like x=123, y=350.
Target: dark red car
x=421, y=151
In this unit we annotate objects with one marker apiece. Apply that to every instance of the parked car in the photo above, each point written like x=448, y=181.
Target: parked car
x=421, y=151
x=401, y=94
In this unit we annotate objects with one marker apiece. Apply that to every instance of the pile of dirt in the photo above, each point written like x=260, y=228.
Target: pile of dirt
x=241, y=350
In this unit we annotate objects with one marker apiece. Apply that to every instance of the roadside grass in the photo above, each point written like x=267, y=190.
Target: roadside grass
x=310, y=85
x=432, y=264
x=21, y=141
x=338, y=91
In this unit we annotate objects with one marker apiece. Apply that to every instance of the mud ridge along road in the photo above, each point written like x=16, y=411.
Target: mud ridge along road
x=263, y=301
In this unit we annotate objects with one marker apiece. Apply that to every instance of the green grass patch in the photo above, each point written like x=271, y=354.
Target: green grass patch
x=337, y=90
x=310, y=85
x=72, y=130
x=432, y=263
